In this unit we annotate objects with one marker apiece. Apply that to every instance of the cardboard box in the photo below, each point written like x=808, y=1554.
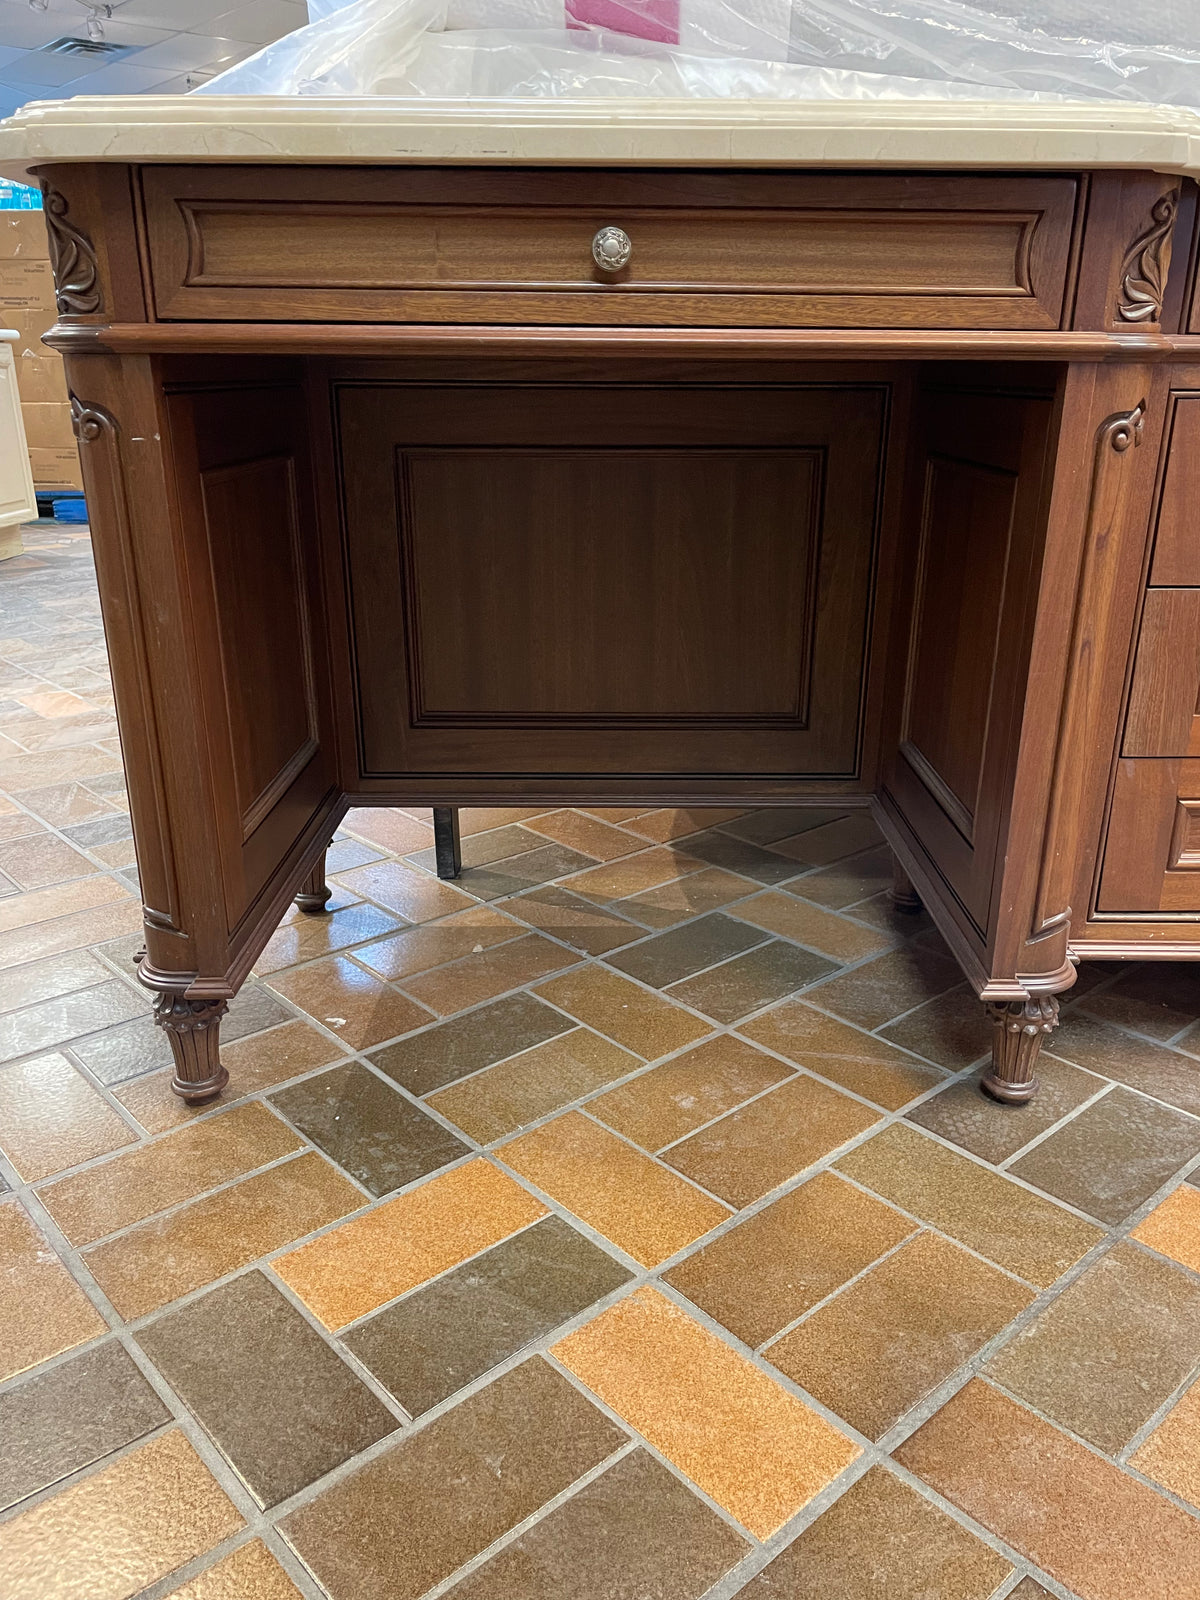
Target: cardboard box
x=48, y=426
x=55, y=469
x=23, y=236
x=30, y=326
x=26, y=286
x=41, y=380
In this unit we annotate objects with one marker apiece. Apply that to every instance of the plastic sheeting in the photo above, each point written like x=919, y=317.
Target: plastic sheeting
x=737, y=49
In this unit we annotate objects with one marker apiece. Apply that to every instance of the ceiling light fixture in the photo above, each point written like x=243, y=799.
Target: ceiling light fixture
x=39, y=5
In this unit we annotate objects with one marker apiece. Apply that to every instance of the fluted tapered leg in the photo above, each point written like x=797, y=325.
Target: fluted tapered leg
x=904, y=896
x=194, y=1029
x=1019, y=1029
x=314, y=891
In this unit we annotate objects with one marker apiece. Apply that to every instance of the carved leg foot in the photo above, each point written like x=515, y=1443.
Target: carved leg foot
x=1019, y=1027
x=904, y=896
x=193, y=1027
x=314, y=891
x=446, y=843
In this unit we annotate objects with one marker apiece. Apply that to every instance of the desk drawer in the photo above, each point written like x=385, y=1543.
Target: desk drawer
x=264, y=244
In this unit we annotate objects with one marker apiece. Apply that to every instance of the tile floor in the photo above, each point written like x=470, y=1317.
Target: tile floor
x=620, y=1223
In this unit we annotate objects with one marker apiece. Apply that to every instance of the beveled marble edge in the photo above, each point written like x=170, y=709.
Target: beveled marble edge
x=944, y=134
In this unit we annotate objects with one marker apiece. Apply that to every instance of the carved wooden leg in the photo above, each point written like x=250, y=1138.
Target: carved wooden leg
x=314, y=891
x=194, y=1028
x=447, y=845
x=1019, y=1027
x=904, y=896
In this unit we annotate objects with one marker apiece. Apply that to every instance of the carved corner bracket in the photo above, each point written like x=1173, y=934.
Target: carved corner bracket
x=1144, y=269
x=73, y=259
x=89, y=423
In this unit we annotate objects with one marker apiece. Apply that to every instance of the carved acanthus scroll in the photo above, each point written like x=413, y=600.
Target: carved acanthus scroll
x=1144, y=269
x=76, y=277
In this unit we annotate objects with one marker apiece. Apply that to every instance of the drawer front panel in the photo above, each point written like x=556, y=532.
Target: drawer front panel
x=1152, y=855
x=261, y=244
x=1177, y=532
x=1164, y=702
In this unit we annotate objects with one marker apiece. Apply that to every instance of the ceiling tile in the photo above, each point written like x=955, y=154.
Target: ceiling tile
x=186, y=50
x=122, y=77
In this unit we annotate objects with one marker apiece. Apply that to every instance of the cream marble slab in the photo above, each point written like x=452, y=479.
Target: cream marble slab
x=626, y=132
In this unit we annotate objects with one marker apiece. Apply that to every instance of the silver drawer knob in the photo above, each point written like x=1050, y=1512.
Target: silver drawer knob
x=611, y=249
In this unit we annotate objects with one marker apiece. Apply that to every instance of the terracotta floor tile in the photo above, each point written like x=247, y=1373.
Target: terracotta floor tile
x=1112, y=1348
x=418, y=1512
x=356, y=1006
x=756, y=1449
x=64, y=899
x=493, y=972
x=782, y=913
x=51, y=1118
x=670, y=956
x=358, y=1267
x=876, y=992
x=572, y=919
x=111, y=1535
x=644, y=1209
x=965, y=1116
x=1171, y=1455
x=581, y=832
x=668, y=903
x=858, y=1061
x=752, y=981
x=390, y=830
x=613, y=813
x=753, y=1150
x=41, y=859
x=43, y=1311
x=634, y=1530
x=676, y=823
x=1173, y=1227
x=883, y=1344
x=41, y=939
x=1113, y=1155
x=305, y=938
x=276, y=1399
x=663, y=1105
x=773, y=823
x=748, y=860
x=515, y=874
x=481, y=819
x=433, y=944
x=882, y=1541
x=1033, y=1238
x=71, y=1416
x=130, y=1187
x=1163, y=1073
x=633, y=1017
x=1158, y=1000
x=52, y=767
x=817, y=847
x=617, y=880
x=952, y=1030
x=62, y=804
x=465, y=1044
x=254, y=1064
x=437, y=1339
x=770, y=1269
x=1088, y=1524
x=1029, y=1589
x=847, y=882
x=483, y=848
x=59, y=1021
x=250, y=1573
x=529, y=1086
x=158, y=1261
x=368, y=1128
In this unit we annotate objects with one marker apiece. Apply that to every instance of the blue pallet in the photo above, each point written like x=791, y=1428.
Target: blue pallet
x=19, y=196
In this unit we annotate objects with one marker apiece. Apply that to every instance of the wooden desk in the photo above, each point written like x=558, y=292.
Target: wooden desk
x=877, y=485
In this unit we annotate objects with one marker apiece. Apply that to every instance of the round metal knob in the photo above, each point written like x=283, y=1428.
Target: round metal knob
x=611, y=249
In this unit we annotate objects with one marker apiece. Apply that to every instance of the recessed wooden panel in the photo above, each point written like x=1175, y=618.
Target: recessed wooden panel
x=632, y=580
x=1177, y=538
x=940, y=251
x=1166, y=675
x=1152, y=852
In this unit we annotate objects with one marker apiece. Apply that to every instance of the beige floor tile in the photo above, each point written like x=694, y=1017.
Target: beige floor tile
x=38, y=940
x=88, y=1205
x=772, y=1139
x=577, y=922
x=1031, y=1237
x=51, y=1118
x=491, y=973
x=359, y=1008
x=115, y=1533
x=588, y=834
x=436, y=943
x=258, y=1062
x=529, y=1086
x=160, y=1260
x=884, y=1343
x=300, y=937
x=645, y=1210
x=668, y=903
x=636, y=1019
x=678, y=823
x=413, y=895
x=1173, y=1228
x=46, y=980
x=817, y=847
x=756, y=1449
x=1171, y=1455
x=62, y=900
x=42, y=859
x=879, y=990
x=250, y=1573
x=670, y=1101
x=616, y=880
x=389, y=829
x=481, y=819
x=407, y=1241
x=832, y=1049
x=809, y=925
x=43, y=1311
